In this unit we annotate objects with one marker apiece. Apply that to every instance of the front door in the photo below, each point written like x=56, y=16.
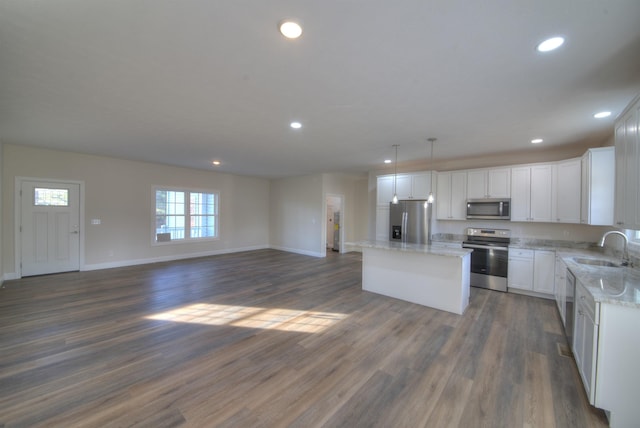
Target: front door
x=50, y=227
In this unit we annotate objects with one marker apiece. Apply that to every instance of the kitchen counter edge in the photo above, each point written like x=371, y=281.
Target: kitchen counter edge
x=436, y=248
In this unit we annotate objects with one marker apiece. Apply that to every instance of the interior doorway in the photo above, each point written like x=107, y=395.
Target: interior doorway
x=334, y=223
x=49, y=226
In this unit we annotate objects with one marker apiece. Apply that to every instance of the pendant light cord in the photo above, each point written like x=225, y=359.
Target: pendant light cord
x=395, y=171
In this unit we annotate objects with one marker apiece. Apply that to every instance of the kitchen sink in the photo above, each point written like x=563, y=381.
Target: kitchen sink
x=596, y=262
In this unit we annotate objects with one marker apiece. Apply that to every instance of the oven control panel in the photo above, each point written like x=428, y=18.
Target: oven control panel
x=496, y=233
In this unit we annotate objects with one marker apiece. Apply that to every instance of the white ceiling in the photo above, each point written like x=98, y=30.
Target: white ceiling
x=185, y=82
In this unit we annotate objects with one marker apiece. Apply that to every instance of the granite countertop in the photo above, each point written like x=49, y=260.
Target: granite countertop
x=436, y=248
x=613, y=285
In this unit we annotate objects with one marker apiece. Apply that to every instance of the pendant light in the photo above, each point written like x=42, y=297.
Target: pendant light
x=395, y=177
x=430, y=199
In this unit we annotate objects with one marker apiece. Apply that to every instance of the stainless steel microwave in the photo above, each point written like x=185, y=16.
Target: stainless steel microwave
x=489, y=209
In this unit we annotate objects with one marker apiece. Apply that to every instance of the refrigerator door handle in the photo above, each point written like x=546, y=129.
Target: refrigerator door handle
x=404, y=226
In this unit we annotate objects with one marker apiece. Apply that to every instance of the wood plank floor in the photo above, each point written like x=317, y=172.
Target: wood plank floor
x=272, y=339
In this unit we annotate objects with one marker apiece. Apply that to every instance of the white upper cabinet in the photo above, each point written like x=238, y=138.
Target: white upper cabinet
x=627, y=137
x=451, y=195
x=566, y=189
x=404, y=186
x=384, y=189
x=598, y=184
x=521, y=198
x=420, y=186
x=407, y=186
x=489, y=183
x=531, y=193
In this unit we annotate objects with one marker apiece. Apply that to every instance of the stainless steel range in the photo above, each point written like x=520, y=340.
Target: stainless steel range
x=490, y=257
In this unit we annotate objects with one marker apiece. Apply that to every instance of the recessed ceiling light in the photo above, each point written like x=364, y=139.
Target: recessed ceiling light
x=290, y=29
x=602, y=114
x=550, y=44
x=536, y=140
x=387, y=161
x=216, y=162
x=296, y=125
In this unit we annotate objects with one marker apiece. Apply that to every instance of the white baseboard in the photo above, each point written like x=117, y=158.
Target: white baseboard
x=9, y=276
x=134, y=262
x=125, y=263
x=297, y=251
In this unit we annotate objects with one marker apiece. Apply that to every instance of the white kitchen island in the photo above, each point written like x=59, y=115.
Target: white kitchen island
x=434, y=275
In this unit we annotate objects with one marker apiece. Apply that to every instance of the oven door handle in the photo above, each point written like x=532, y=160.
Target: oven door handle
x=484, y=247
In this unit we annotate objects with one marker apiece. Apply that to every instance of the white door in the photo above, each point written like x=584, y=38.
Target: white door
x=50, y=227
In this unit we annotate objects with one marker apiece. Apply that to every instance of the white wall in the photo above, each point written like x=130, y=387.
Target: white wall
x=296, y=215
x=119, y=193
x=353, y=188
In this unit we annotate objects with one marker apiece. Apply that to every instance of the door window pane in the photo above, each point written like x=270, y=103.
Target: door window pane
x=51, y=197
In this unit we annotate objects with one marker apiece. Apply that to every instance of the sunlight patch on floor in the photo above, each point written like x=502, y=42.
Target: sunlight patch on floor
x=252, y=317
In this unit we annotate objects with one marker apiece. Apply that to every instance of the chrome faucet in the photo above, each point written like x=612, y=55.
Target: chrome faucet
x=625, y=253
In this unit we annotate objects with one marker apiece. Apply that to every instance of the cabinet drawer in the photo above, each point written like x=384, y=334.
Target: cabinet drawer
x=521, y=253
x=585, y=301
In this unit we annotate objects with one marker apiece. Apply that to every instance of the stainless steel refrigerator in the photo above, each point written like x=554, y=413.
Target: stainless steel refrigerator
x=410, y=221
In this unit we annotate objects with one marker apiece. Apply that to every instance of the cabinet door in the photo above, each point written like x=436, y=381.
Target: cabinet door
x=499, y=183
x=621, y=148
x=403, y=186
x=541, y=193
x=385, y=189
x=598, y=186
x=544, y=272
x=567, y=191
x=560, y=288
x=420, y=186
x=443, y=196
x=631, y=172
x=520, y=273
x=590, y=332
x=382, y=223
x=627, y=199
x=477, y=184
x=521, y=199
x=459, y=195
x=585, y=338
x=585, y=188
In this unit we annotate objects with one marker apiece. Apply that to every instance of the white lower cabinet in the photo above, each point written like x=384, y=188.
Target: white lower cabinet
x=382, y=223
x=585, y=332
x=606, y=351
x=532, y=270
x=560, y=291
x=520, y=271
x=544, y=271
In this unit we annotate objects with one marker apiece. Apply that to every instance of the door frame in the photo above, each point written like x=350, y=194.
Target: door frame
x=17, y=218
x=324, y=223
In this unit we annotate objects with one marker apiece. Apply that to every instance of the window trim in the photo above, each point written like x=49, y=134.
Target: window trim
x=188, y=191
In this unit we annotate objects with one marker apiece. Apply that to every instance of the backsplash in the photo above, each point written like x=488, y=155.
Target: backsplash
x=611, y=250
